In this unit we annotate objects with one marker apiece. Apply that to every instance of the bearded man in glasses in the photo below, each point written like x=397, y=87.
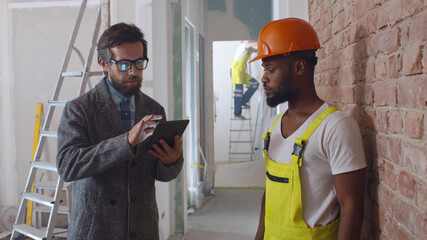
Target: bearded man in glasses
x=102, y=147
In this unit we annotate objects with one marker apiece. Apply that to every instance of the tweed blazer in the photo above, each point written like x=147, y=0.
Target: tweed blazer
x=113, y=186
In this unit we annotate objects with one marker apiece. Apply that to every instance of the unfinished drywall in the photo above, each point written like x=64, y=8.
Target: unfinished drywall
x=372, y=64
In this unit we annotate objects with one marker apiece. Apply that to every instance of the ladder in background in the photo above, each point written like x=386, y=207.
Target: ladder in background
x=241, y=140
x=41, y=196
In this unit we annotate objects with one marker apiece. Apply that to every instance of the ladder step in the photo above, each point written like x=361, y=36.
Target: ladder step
x=31, y=232
x=57, y=103
x=39, y=198
x=79, y=74
x=61, y=209
x=240, y=130
x=50, y=185
x=235, y=153
x=238, y=119
x=240, y=141
x=45, y=165
x=48, y=134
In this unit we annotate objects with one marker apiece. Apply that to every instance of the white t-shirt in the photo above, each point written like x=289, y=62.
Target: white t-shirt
x=334, y=147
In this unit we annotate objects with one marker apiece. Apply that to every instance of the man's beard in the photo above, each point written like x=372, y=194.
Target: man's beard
x=127, y=90
x=281, y=96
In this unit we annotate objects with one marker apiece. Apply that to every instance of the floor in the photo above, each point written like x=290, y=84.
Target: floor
x=232, y=214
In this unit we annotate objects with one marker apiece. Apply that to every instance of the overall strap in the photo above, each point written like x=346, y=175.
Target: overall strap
x=300, y=142
x=266, y=135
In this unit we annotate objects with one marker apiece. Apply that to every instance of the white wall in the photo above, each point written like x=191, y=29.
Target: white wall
x=8, y=172
x=38, y=36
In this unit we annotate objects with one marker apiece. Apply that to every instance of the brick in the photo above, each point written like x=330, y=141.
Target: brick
x=381, y=68
x=390, y=229
x=404, y=235
x=406, y=184
x=347, y=75
x=414, y=122
x=338, y=23
x=406, y=215
x=369, y=119
x=390, y=175
x=350, y=15
x=337, y=7
x=412, y=60
x=410, y=92
x=364, y=94
x=395, y=121
x=425, y=60
x=394, y=65
x=394, y=10
x=421, y=196
x=382, y=120
x=370, y=71
x=385, y=199
x=389, y=148
x=404, y=32
x=325, y=34
x=357, y=32
x=360, y=50
x=386, y=41
x=362, y=7
x=382, y=16
x=411, y=7
x=385, y=93
x=414, y=157
x=346, y=94
x=421, y=226
x=417, y=32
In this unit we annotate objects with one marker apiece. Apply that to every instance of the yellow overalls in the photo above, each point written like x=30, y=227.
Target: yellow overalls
x=238, y=71
x=283, y=204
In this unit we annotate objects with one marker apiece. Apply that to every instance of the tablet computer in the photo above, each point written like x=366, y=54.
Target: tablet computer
x=167, y=131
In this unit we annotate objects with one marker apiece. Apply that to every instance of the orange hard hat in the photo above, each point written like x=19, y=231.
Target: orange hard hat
x=284, y=36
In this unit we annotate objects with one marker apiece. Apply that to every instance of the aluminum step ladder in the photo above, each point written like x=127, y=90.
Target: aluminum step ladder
x=241, y=144
x=46, y=202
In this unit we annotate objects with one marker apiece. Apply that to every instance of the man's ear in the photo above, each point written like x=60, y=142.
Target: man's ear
x=300, y=66
x=103, y=64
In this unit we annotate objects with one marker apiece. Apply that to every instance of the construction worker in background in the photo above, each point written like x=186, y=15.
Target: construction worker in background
x=240, y=77
x=315, y=163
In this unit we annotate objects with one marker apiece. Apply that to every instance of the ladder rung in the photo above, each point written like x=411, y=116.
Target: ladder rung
x=238, y=119
x=61, y=209
x=31, y=232
x=79, y=74
x=48, y=134
x=50, y=185
x=57, y=103
x=234, y=153
x=240, y=130
x=39, y=198
x=45, y=165
x=240, y=141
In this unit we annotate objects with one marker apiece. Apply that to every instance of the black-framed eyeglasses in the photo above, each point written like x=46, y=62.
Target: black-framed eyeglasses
x=125, y=65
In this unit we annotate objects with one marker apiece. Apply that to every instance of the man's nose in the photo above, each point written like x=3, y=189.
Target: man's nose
x=264, y=78
x=132, y=70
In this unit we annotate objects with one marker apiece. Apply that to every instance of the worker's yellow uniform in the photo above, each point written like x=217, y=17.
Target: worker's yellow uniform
x=283, y=202
x=238, y=71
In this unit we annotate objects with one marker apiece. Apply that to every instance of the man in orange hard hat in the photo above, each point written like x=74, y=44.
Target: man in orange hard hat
x=315, y=163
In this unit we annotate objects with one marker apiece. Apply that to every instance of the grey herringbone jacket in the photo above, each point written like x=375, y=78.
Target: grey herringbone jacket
x=113, y=191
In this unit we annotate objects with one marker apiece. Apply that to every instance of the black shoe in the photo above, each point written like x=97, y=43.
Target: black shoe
x=245, y=106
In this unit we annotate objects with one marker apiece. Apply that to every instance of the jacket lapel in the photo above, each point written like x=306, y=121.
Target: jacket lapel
x=109, y=108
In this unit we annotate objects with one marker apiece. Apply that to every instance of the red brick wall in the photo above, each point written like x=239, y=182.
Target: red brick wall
x=373, y=65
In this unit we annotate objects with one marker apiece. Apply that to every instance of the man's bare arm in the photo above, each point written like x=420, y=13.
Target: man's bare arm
x=350, y=189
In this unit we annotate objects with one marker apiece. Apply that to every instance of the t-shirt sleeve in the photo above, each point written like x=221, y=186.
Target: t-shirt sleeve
x=345, y=147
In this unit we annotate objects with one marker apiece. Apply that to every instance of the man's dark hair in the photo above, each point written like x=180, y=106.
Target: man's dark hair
x=117, y=35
